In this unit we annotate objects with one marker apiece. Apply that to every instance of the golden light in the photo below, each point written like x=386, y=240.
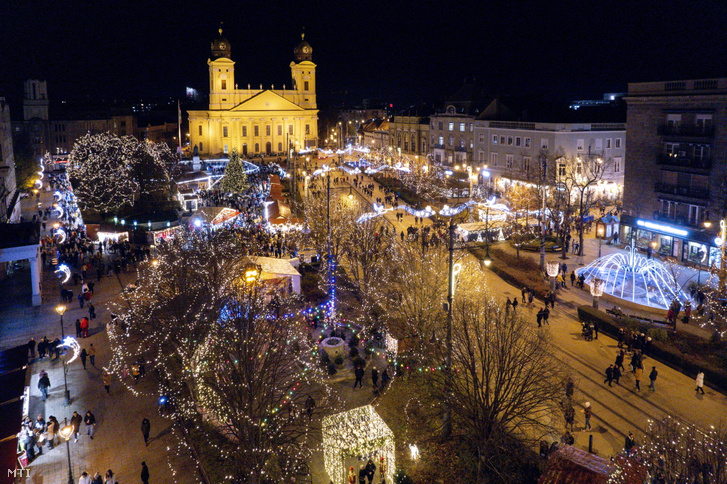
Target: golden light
x=66, y=431
x=56, y=225
x=707, y=223
x=251, y=275
x=60, y=309
x=155, y=263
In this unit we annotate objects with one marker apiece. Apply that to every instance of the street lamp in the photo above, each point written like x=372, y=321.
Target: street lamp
x=66, y=431
x=596, y=290
x=552, y=268
x=600, y=232
x=60, y=309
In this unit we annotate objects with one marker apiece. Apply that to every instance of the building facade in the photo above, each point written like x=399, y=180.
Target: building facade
x=676, y=178
x=452, y=136
x=9, y=197
x=256, y=121
x=513, y=151
x=410, y=134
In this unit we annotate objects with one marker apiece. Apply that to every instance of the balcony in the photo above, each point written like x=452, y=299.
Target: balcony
x=700, y=193
x=686, y=131
x=666, y=159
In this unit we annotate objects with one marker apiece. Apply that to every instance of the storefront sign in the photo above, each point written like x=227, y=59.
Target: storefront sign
x=662, y=228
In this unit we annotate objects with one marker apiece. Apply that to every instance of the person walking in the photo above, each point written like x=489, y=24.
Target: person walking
x=616, y=374
x=145, y=429
x=106, y=377
x=539, y=317
x=92, y=355
x=638, y=373
x=84, y=355
x=90, y=422
x=629, y=444
x=78, y=328
x=385, y=379
x=652, y=378
x=620, y=360
x=609, y=375
x=700, y=382
x=375, y=377
x=110, y=477
x=570, y=416
x=85, y=479
x=44, y=384
x=84, y=327
x=359, y=373
x=587, y=412
x=76, y=423
x=52, y=429
x=91, y=311
x=31, y=347
x=546, y=315
x=514, y=305
x=144, y=473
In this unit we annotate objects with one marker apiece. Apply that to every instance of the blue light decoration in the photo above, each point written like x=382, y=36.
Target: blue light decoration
x=662, y=228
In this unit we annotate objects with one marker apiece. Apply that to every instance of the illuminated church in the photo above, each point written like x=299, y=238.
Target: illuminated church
x=256, y=121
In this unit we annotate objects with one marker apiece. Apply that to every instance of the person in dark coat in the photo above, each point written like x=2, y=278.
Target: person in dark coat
x=31, y=347
x=539, y=318
x=370, y=470
x=78, y=328
x=362, y=471
x=44, y=384
x=145, y=429
x=609, y=375
x=144, y=473
x=652, y=378
x=84, y=355
x=616, y=374
x=76, y=423
x=359, y=373
x=90, y=422
x=375, y=377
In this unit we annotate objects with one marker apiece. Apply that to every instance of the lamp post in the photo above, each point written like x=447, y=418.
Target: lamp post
x=600, y=233
x=66, y=431
x=596, y=290
x=60, y=309
x=552, y=268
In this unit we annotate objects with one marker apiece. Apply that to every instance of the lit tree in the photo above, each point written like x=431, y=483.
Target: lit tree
x=679, y=452
x=99, y=167
x=235, y=179
x=149, y=163
x=222, y=359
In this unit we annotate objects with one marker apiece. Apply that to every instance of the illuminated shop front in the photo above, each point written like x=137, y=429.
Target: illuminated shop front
x=669, y=240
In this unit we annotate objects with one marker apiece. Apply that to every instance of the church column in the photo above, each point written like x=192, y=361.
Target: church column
x=35, y=279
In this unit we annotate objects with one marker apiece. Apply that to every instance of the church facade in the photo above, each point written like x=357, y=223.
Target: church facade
x=256, y=121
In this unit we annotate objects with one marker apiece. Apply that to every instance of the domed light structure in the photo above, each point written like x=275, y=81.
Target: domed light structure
x=634, y=278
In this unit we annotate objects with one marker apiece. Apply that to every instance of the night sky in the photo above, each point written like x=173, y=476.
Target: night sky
x=400, y=52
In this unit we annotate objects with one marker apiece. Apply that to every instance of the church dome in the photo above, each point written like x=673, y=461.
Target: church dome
x=303, y=51
x=221, y=46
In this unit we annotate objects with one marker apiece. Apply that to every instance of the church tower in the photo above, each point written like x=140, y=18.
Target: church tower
x=222, y=73
x=303, y=71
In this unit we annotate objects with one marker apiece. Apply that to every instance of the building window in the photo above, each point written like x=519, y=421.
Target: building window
x=200, y=129
x=224, y=132
x=561, y=169
x=543, y=143
x=527, y=142
x=461, y=142
x=526, y=164
x=225, y=149
x=704, y=121
x=441, y=141
x=493, y=159
x=472, y=127
x=280, y=130
x=450, y=141
x=508, y=161
x=244, y=131
x=307, y=129
x=290, y=129
x=494, y=139
x=305, y=85
x=257, y=147
x=267, y=130
x=481, y=156
x=509, y=141
x=502, y=140
x=618, y=142
x=671, y=149
x=461, y=127
x=451, y=126
x=518, y=140
x=599, y=144
x=223, y=84
x=617, y=161
x=608, y=143
x=580, y=145
x=441, y=125
x=256, y=132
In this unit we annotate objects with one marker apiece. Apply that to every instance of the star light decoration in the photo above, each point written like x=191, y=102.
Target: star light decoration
x=65, y=271
x=358, y=433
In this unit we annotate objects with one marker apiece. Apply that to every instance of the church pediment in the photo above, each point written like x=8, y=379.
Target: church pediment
x=267, y=101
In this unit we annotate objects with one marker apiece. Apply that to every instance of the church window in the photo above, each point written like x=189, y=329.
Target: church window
x=224, y=84
x=224, y=131
x=280, y=130
x=200, y=130
x=257, y=147
x=244, y=131
x=267, y=130
x=290, y=129
x=307, y=129
x=305, y=85
x=280, y=147
x=257, y=133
